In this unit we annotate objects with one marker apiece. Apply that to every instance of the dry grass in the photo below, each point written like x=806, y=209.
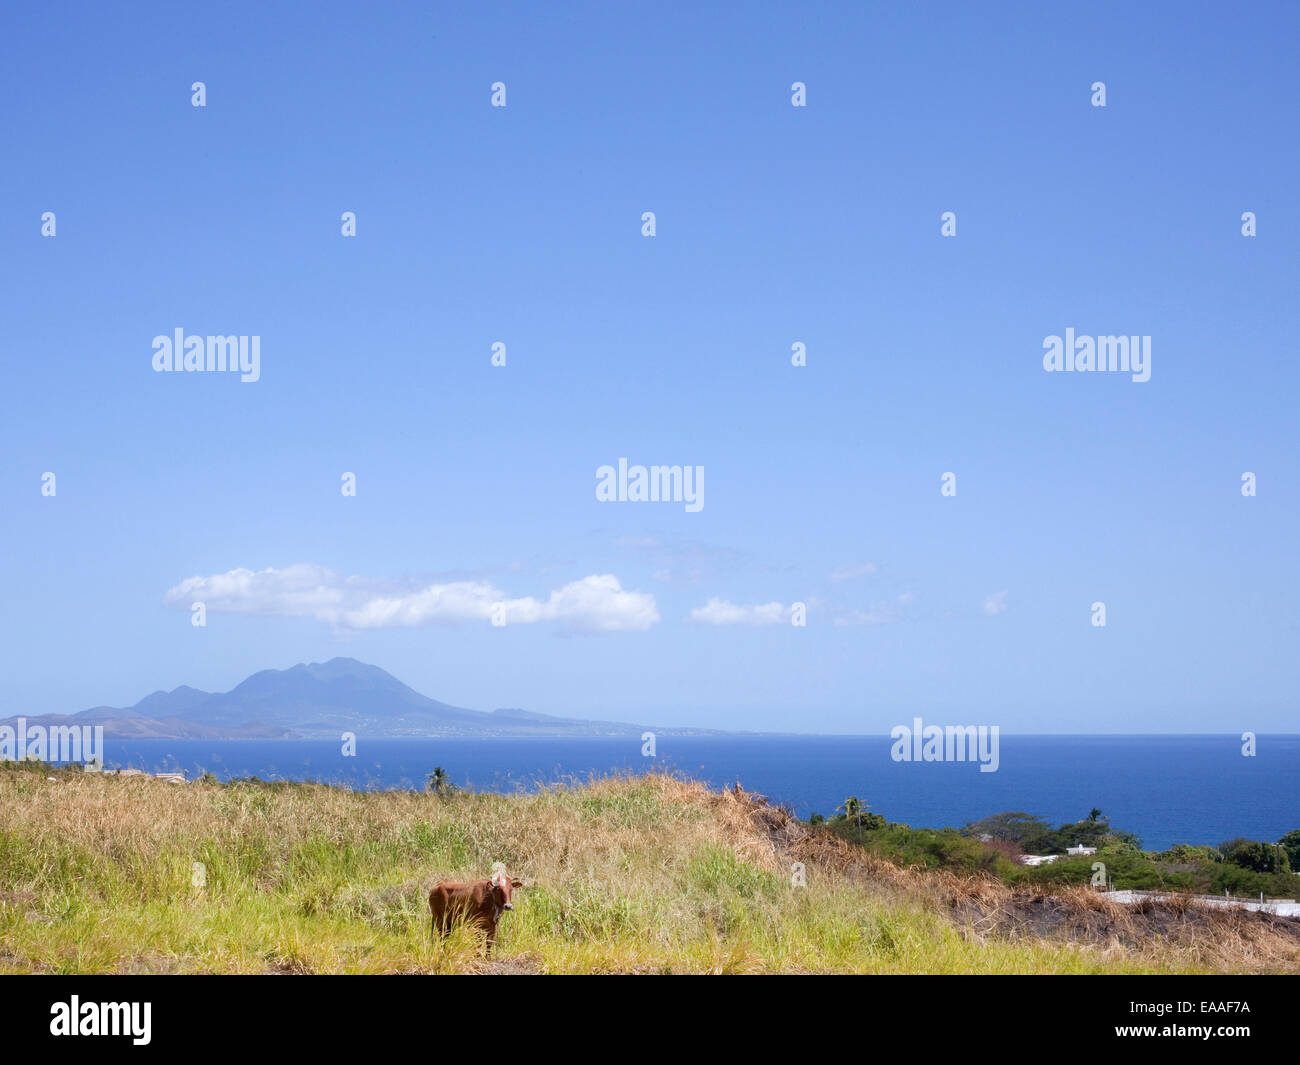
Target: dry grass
x=625, y=874
x=1177, y=932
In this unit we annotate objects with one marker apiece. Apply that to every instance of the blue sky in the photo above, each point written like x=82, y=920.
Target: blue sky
x=774, y=225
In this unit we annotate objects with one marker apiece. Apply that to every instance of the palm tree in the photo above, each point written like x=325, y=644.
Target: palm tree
x=1094, y=815
x=853, y=807
x=438, y=782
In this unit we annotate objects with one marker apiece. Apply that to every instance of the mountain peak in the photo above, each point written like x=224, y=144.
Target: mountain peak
x=175, y=701
x=341, y=666
x=323, y=700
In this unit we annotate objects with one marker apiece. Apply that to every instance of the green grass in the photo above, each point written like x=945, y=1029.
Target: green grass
x=644, y=874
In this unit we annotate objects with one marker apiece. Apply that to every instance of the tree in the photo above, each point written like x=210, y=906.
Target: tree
x=1019, y=827
x=853, y=807
x=1255, y=856
x=439, y=782
x=1291, y=844
x=1094, y=815
x=1120, y=840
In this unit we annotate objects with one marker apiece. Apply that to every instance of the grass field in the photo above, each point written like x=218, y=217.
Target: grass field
x=625, y=874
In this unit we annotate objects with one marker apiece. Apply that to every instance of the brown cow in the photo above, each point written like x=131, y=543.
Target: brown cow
x=477, y=902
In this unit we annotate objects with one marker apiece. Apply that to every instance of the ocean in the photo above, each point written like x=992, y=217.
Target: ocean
x=1164, y=789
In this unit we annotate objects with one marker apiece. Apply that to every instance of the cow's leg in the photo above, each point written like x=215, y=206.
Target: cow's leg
x=441, y=919
x=491, y=938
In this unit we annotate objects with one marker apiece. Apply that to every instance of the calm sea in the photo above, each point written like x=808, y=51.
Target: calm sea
x=1166, y=789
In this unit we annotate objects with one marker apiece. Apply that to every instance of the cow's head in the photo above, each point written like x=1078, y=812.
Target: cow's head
x=501, y=884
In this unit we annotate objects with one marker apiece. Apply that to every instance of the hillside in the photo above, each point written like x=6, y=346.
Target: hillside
x=626, y=874
x=323, y=700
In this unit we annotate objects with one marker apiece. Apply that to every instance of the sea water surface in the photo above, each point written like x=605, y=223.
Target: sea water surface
x=1165, y=789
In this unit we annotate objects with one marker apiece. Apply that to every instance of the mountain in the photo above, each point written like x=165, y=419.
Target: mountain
x=321, y=701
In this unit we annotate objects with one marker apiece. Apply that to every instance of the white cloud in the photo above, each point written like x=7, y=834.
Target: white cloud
x=995, y=604
x=848, y=573
x=722, y=612
x=596, y=603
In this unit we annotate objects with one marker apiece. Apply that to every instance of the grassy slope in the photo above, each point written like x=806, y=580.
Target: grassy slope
x=644, y=874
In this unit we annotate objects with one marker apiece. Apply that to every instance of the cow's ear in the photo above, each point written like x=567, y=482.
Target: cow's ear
x=516, y=882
